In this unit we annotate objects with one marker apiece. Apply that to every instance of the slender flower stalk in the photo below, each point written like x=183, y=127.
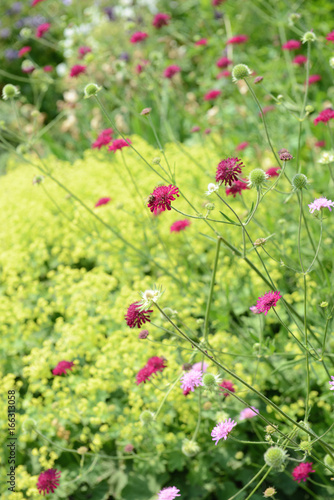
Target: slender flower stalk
x=208, y=305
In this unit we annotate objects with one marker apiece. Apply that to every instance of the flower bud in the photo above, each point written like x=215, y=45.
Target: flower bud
x=324, y=304
x=209, y=206
x=305, y=446
x=258, y=79
x=269, y=492
x=240, y=71
x=209, y=380
x=143, y=334
x=275, y=457
x=329, y=461
x=270, y=429
x=299, y=181
x=284, y=155
x=29, y=425
x=309, y=36
x=82, y=450
x=25, y=33
x=293, y=18
x=91, y=90
x=257, y=178
x=207, y=405
x=190, y=448
x=331, y=62
x=260, y=242
x=9, y=91
x=309, y=109
x=38, y=179
x=156, y=160
x=146, y=417
x=146, y=111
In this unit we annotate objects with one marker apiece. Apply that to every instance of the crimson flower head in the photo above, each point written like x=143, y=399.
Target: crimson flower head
x=302, y=471
x=227, y=384
x=299, y=60
x=291, y=45
x=62, y=367
x=284, y=155
x=102, y=201
x=42, y=29
x=118, y=144
x=82, y=51
x=237, y=40
x=242, y=146
x=104, y=138
x=161, y=198
x=202, y=41
x=134, y=317
x=179, y=225
x=196, y=128
x=237, y=187
x=224, y=74
x=143, y=375
x=267, y=301
x=330, y=36
x=223, y=62
x=324, y=116
x=153, y=365
x=160, y=20
x=138, y=37
x=77, y=69
x=212, y=95
x=172, y=70
x=24, y=50
x=35, y=2
x=320, y=144
x=228, y=171
x=48, y=481
x=273, y=171
x=48, y=68
x=314, y=79
x=215, y=3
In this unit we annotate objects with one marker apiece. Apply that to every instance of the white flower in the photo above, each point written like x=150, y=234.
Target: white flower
x=150, y=296
x=331, y=62
x=212, y=188
x=326, y=158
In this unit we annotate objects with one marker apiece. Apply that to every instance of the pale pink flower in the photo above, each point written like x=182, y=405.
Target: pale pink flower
x=222, y=430
x=320, y=203
x=248, y=413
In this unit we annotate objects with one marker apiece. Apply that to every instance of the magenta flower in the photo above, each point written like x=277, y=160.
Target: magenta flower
x=82, y=51
x=228, y=171
x=320, y=144
x=153, y=365
x=227, y=384
x=143, y=375
x=248, y=413
x=200, y=366
x=291, y=45
x=179, y=225
x=223, y=62
x=254, y=310
x=222, y=430
x=215, y=3
x=48, y=68
x=160, y=20
x=330, y=36
x=314, y=79
x=202, y=41
x=102, y=201
x=172, y=70
x=48, y=481
x=62, y=367
x=42, y=29
x=331, y=383
x=161, y=198
x=196, y=128
x=320, y=203
x=103, y=139
x=302, y=471
x=299, y=60
x=273, y=171
x=77, y=69
x=24, y=50
x=324, y=116
x=242, y=146
x=237, y=39
x=284, y=155
x=191, y=379
x=267, y=301
x=236, y=187
x=35, y=2
x=128, y=448
x=119, y=144
x=169, y=493
x=212, y=95
x=224, y=74
x=267, y=109
x=138, y=37
x=143, y=334
x=134, y=317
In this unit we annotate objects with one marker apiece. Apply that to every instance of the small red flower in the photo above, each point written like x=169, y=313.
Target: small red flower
x=138, y=37
x=156, y=364
x=223, y=62
x=237, y=39
x=82, y=51
x=179, y=225
x=330, y=36
x=320, y=144
x=102, y=201
x=227, y=384
x=267, y=301
x=212, y=95
x=302, y=471
x=160, y=20
x=215, y=3
x=24, y=50
x=104, y=138
x=236, y=188
x=202, y=41
x=77, y=69
x=314, y=79
x=35, y=2
x=324, y=116
x=118, y=144
x=143, y=375
x=291, y=45
x=42, y=29
x=242, y=146
x=273, y=171
x=48, y=68
x=299, y=60
x=228, y=171
x=48, y=481
x=62, y=366
x=172, y=70
x=224, y=74
x=134, y=317
x=161, y=198
x=267, y=109
x=196, y=128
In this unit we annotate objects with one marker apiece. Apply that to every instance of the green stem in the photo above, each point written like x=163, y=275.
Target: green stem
x=258, y=484
x=208, y=305
x=250, y=482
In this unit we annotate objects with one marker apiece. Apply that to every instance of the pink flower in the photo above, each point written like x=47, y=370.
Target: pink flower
x=102, y=201
x=242, y=146
x=223, y=62
x=254, y=310
x=161, y=198
x=118, y=144
x=324, y=116
x=331, y=383
x=299, y=60
x=207, y=131
x=224, y=74
x=143, y=375
x=258, y=79
x=291, y=45
x=28, y=69
x=143, y=334
x=138, y=37
x=267, y=109
x=302, y=471
x=48, y=481
x=153, y=365
x=103, y=139
x=169, y=493
x=320, y=144
x=179, y=225
x=35, y=2
x=172, y=70
x=314, y=79
x=77, y=69
x=273, y=171
x=160, y=20
x=42, y=29
x=200, y=366
x=222, y=430
x=284, y=155
x=215, y=3
x=202, y=41
x=24, y=50
x=228, y=171
x=212, y=95
x=330, y=36
x=227, y=384
x=267, y=301
x=236, y=188
x=134, y=317
x=82, y=51
x=48, y=68
x=191, y=379
x=248, y=413
x=320, y=203
x=195, y=129
x=128, y=448
x=237, y=39
x=62, y=366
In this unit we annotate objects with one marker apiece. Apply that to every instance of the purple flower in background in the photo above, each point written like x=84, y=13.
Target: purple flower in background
x=11, y=54
x=5, y=33
x=248, y=413
x=15, y=9
x=124, y=56
x=109, y=11
x=331, y=383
